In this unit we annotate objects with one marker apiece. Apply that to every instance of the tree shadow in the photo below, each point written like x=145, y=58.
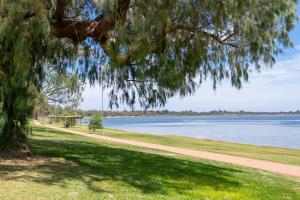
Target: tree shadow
x=150, y=173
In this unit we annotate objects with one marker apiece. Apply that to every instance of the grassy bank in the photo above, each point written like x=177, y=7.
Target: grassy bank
x=250, y=151
x=81, y=168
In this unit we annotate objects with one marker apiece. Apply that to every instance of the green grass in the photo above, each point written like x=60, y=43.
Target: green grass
x=83, y=168
x=258, y=152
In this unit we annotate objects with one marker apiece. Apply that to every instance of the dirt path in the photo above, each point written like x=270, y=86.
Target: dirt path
x=279, y=168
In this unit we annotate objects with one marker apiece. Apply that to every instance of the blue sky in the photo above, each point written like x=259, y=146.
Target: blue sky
x=274, y=89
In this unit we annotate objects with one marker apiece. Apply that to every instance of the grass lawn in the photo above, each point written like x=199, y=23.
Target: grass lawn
x=74, y=167
x=251, y=151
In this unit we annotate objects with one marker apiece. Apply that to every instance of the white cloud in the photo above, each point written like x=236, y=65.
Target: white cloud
x=297, y=47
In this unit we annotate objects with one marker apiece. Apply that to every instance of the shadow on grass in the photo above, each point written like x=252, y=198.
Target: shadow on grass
x=92, y=162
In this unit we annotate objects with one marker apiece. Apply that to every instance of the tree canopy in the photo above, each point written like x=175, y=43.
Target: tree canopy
x=58, y=90
x=159, y=48
x=151, y=50
x=26, y=47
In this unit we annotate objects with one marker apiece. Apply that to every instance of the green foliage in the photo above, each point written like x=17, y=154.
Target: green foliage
x=96, y=122
x=59, y=89
x=62, y=88
x=195, y=40
x=26, y=47
x=70, y=122
x=164, y=48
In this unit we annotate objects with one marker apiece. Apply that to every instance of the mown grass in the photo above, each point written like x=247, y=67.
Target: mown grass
x=87, y=169
x=258, y=152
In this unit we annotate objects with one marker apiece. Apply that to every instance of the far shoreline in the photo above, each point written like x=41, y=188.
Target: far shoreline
x=203, y=115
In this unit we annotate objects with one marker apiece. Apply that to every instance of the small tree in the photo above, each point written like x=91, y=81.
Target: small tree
x=96, y=122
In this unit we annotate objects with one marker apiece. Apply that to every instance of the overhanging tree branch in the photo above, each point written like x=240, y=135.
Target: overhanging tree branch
x=97, y=29
x=206, y=34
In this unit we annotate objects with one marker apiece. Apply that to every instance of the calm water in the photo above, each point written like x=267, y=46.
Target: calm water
x=264, y=130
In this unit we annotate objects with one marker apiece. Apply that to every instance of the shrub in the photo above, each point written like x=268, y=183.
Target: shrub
x=70, y=122
x=96, y=122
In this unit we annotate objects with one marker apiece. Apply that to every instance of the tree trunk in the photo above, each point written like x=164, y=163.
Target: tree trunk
x=14, y=127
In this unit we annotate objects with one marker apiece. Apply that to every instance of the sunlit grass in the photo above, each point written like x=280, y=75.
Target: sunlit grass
x=82, y=168
x=258, y=152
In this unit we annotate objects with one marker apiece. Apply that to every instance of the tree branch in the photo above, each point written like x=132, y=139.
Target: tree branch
x=97, y=29
x=205, y=33
x=140, y=81
x=79, y=31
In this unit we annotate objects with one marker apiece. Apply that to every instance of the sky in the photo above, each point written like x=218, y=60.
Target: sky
x=274, y=89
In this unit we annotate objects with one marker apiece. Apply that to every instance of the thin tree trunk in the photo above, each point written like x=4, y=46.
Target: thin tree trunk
x=14, y=128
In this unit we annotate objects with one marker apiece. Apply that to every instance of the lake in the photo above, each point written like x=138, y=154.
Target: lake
x=263, y=130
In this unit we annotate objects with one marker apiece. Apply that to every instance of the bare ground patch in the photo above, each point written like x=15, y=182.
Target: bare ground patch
x=35, y=161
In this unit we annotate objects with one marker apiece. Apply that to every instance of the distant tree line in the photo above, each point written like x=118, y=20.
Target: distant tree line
x=90, y=113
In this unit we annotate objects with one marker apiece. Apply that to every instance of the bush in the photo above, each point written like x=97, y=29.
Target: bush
x=96, y=122
x=70, y=122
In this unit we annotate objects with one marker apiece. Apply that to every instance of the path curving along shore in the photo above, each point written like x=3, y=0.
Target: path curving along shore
x=279, y=168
